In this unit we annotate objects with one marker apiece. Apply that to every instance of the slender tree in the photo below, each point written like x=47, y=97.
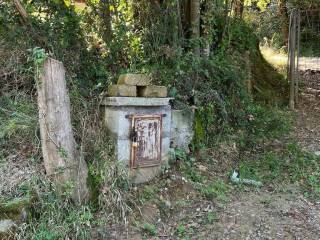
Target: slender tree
x=283, y=14
x=207, y=27
x=104, y=7
x=195, y=24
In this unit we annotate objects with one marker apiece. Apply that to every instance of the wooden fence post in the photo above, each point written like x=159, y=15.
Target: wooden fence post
x=60, y=155
x=292, y=57
x=297, y=74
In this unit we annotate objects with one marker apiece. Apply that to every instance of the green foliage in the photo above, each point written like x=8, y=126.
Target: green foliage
x=38, y=56
x=149, y=229
x=264, y=123
x=148, y=193
x=181, y=230
x=215, y=190
x=240, y=37
x=187, y=166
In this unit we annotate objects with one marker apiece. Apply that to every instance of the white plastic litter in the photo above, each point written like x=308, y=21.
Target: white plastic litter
x=234, y=178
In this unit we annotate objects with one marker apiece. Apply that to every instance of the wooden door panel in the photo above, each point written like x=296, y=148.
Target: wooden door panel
x=146, y=147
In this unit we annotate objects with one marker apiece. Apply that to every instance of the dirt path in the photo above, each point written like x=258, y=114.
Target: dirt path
x=307, y=128
x=267, y=215
x=251, y=215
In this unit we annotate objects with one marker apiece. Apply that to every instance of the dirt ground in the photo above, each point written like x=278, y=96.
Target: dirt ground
x=283, y=214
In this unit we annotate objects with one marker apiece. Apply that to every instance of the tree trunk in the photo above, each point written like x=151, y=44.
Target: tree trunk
x=106, y=18
x=238, y=8
x=195, y=24
x=283, y=12
x=207, y=27
x=60, y=155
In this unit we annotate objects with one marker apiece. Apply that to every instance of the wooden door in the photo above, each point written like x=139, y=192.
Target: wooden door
x=146, y=140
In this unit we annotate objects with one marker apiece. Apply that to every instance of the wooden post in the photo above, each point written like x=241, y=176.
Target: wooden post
x=297, y=76
x=60, y=155
x=292, y=58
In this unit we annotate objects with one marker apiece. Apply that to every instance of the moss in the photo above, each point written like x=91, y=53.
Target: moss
x=198, y=130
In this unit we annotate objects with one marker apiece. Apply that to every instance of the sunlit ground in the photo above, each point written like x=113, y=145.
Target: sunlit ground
x=279, y=60
x=274, y=57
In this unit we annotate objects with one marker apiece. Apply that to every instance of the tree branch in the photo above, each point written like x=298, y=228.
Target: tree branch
x=23, y=13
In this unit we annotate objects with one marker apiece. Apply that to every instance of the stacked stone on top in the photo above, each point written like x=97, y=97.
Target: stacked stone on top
x=136, y=85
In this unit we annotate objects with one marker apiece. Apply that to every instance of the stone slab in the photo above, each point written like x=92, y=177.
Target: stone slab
x=142, y=175
x=135, y=101
x=134, y=79
x=152, y=91
x=182, y=129
x=165, y=149
x=122, y=91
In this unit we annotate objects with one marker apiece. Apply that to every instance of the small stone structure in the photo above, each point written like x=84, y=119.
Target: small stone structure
x=139, y=125
x=138, y=117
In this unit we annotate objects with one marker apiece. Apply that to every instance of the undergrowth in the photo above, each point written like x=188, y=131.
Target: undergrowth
x=18, y=121
x=53, y=217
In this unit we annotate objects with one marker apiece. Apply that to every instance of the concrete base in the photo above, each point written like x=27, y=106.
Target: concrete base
x=119, y=125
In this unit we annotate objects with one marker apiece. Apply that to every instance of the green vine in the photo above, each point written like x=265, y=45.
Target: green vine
x=39, y=55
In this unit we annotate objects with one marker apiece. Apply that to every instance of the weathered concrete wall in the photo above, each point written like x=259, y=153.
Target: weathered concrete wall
x=181, y=128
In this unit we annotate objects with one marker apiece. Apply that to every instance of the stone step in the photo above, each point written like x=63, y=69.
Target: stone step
x=121, y=90
x=152, y=91
x=134, y=79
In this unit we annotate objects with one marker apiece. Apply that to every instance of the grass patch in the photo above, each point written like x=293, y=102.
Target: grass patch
x=53, y=217
x=292, y=164
x=215, y=190
x=149, y=229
